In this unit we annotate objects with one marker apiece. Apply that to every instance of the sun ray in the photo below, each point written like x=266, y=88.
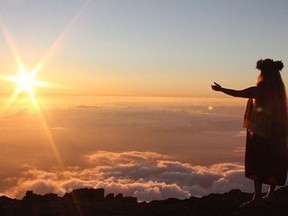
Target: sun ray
x=27, y=80
x=49, y=136
x=9, y=40
x=39, y=65
x=61, y=36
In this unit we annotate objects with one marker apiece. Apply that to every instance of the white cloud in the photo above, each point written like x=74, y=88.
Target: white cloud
x=168, y=141
x=182, y=129
x=145, y=175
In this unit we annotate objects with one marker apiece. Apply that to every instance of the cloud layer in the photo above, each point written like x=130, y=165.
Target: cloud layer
x=148, y=148
x=145, y=175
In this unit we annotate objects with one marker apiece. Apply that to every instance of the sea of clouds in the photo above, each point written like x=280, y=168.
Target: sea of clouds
x=145, y=175
x=147, y=149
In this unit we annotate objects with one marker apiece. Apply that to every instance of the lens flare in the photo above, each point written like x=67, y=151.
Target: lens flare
x=26, y=80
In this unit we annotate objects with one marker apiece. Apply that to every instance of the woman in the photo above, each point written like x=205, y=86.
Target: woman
x=266, y=122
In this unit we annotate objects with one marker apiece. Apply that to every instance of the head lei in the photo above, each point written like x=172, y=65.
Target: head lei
x=269, y=65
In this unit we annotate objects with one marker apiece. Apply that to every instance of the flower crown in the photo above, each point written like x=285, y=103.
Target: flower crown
x=269, y=64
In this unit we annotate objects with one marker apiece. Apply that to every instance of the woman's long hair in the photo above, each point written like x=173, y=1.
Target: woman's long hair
x=272, y=94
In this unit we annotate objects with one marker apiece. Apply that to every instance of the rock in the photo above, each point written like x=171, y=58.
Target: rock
x=110, y=196
x=85, y=194
x=89, y=201
x=119, y=196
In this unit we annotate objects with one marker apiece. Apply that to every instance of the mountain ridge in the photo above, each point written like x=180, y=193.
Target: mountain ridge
x=89, y=202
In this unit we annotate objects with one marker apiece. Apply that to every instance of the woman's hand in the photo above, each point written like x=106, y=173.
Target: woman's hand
x=216, y=87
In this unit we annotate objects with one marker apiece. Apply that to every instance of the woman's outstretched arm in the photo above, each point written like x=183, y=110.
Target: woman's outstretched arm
x=245, y=93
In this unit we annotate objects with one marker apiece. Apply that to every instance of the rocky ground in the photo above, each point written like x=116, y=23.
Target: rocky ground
x=90, y=202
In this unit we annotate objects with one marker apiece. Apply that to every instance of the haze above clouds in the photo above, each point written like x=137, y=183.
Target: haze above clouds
x=148, y=148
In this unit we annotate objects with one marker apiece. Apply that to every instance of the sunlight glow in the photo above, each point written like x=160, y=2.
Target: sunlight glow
x=26, y=80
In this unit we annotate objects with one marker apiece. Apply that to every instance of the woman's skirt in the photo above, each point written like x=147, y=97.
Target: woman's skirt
x=266, y=159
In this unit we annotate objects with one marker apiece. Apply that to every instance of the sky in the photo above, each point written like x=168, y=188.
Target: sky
x=124, y=101
x=144, y=48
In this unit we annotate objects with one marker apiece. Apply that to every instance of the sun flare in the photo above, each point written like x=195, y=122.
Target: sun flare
x=26, y=79
x=26, y=82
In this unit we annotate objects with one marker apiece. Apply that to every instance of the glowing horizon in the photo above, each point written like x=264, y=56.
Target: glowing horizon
x=26, y=80
x=94, y=92
x=156, y=55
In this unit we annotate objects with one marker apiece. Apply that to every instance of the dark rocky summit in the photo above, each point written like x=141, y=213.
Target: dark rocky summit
x=90, y=202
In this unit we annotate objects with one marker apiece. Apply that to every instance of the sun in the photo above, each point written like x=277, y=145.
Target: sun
x=26, y=82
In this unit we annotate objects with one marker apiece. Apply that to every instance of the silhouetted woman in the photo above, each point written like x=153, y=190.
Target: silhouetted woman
x=266, y=122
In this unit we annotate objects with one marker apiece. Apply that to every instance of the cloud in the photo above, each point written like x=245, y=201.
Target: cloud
x=145, y=175
x=109, y=158
x=145, y=149
x=241, y=133
x=239, y=149
x=178, y=128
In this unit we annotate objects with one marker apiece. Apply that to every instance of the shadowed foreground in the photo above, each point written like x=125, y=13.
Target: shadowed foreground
x=89, y=202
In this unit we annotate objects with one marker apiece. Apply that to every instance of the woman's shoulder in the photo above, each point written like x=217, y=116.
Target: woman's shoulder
x=261, y=85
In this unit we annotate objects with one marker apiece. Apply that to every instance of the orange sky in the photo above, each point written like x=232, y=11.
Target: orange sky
x=169, y=134
x=103, y=48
